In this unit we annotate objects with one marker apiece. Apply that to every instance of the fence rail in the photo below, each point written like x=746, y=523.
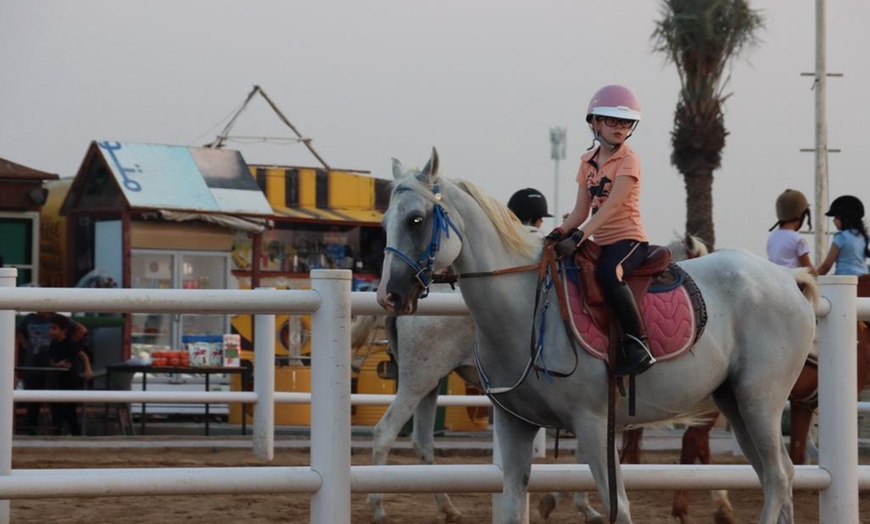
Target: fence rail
x=330, y=479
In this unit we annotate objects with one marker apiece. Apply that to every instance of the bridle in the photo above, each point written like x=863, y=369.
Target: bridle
x=425, y=263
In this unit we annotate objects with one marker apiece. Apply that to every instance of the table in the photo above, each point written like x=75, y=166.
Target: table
x=206, y=371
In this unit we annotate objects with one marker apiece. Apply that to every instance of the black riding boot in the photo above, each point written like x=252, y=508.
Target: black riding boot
x=633, y=356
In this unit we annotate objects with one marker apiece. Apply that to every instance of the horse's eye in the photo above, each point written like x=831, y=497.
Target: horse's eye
x=416, y=221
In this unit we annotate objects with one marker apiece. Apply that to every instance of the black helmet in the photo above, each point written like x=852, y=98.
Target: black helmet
x=847, y=207
x=528, y=204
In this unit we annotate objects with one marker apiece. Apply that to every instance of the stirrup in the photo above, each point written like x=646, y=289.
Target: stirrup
x=636, y=360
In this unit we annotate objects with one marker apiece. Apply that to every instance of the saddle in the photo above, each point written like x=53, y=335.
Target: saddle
x=672, y=309
x=587, y=257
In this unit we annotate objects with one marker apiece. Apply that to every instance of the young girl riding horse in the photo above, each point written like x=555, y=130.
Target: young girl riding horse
x=609, y=179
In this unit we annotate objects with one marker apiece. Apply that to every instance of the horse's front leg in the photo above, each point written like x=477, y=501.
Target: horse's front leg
x=385, y=433
x=515, y=439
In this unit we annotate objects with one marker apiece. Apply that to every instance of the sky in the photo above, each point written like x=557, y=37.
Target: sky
x=482, y=81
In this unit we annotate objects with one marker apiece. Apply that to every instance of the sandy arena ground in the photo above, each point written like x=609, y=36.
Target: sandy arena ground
x=650, y=507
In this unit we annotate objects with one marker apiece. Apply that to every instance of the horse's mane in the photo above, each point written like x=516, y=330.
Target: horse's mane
x=510, y=230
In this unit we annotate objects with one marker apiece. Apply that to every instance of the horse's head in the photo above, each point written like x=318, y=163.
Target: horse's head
x=422, y=237
x=687, y=247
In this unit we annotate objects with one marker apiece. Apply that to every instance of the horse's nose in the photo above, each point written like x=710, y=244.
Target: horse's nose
x=390, y=301
x=396, y=304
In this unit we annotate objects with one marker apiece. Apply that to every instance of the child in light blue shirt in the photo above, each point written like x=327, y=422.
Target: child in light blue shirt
x=849, y=249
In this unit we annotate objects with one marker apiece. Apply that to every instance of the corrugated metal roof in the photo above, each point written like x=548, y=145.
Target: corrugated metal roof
x=9, y=169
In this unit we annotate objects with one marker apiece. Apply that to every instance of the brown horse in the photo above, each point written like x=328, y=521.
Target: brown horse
x=803, y=402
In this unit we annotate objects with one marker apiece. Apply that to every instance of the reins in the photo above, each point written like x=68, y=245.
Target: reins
x=548, y=262
x=453, y=278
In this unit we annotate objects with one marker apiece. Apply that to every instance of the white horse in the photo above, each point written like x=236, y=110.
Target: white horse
x=427, y=349
x=759, y=331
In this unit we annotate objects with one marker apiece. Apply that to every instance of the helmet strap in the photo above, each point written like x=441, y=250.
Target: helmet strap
x=596, y=137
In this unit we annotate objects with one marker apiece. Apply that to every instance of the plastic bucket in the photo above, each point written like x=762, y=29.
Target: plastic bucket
x=369, y=382
x=464, y=418
x=287, y=378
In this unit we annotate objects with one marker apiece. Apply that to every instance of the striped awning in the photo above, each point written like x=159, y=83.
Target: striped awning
x=362, y=216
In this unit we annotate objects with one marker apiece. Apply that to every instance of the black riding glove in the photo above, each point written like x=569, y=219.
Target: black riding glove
x=569, y=245
x=555, y=235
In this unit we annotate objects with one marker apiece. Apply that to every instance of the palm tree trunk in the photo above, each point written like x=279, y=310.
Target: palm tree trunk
x=699, y=207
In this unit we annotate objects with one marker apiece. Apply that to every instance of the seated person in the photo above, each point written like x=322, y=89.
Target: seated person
x=64, y=352
x=32, y=340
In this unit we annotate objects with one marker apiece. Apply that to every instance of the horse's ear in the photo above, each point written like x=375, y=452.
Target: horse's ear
x=398, y=169
x=430, y=170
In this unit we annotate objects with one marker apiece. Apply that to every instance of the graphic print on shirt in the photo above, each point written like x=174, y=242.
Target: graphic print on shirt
x=599, y=190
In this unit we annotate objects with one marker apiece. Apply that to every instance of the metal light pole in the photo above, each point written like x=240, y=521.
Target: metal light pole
x=821, y=149
x=557, y=153
x=821, y=135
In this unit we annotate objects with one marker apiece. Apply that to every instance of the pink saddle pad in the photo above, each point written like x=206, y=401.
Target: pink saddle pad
x=668, y=316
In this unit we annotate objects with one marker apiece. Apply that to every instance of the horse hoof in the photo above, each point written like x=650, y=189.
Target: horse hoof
x=453, y=518
x=546, y=505
x=724, y=516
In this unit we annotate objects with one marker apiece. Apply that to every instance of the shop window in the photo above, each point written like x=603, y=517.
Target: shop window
x=19, y=248
x=300, y=249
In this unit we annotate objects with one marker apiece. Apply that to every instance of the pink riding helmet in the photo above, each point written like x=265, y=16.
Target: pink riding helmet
x=616, y=101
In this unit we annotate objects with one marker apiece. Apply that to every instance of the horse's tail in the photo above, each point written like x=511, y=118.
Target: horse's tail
x=806, y=282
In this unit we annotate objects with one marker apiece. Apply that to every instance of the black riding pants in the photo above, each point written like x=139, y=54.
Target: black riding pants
x=625, y=253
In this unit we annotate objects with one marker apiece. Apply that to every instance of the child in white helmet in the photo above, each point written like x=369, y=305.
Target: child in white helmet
x=785, y=246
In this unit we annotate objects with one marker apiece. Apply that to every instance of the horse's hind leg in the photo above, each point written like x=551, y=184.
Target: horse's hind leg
x=801, y=418
x=759, y=433
x=631, y=439
x=581, y=504
x=696, y=447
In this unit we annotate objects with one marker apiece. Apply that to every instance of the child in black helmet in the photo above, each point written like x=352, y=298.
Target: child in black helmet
x=530, y=206
x=849, y=248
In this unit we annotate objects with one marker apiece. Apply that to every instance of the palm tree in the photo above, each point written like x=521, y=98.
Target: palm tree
x=701, y=37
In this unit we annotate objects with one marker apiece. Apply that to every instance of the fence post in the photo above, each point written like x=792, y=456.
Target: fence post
x=8, y=276
x=838, y=400
x=330, y=396
x=264, y=386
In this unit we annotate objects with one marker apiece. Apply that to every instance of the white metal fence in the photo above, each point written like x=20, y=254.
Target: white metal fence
x=330, y=478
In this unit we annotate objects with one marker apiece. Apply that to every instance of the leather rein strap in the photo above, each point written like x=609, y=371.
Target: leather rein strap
x=548, y=260
x=453, y=278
